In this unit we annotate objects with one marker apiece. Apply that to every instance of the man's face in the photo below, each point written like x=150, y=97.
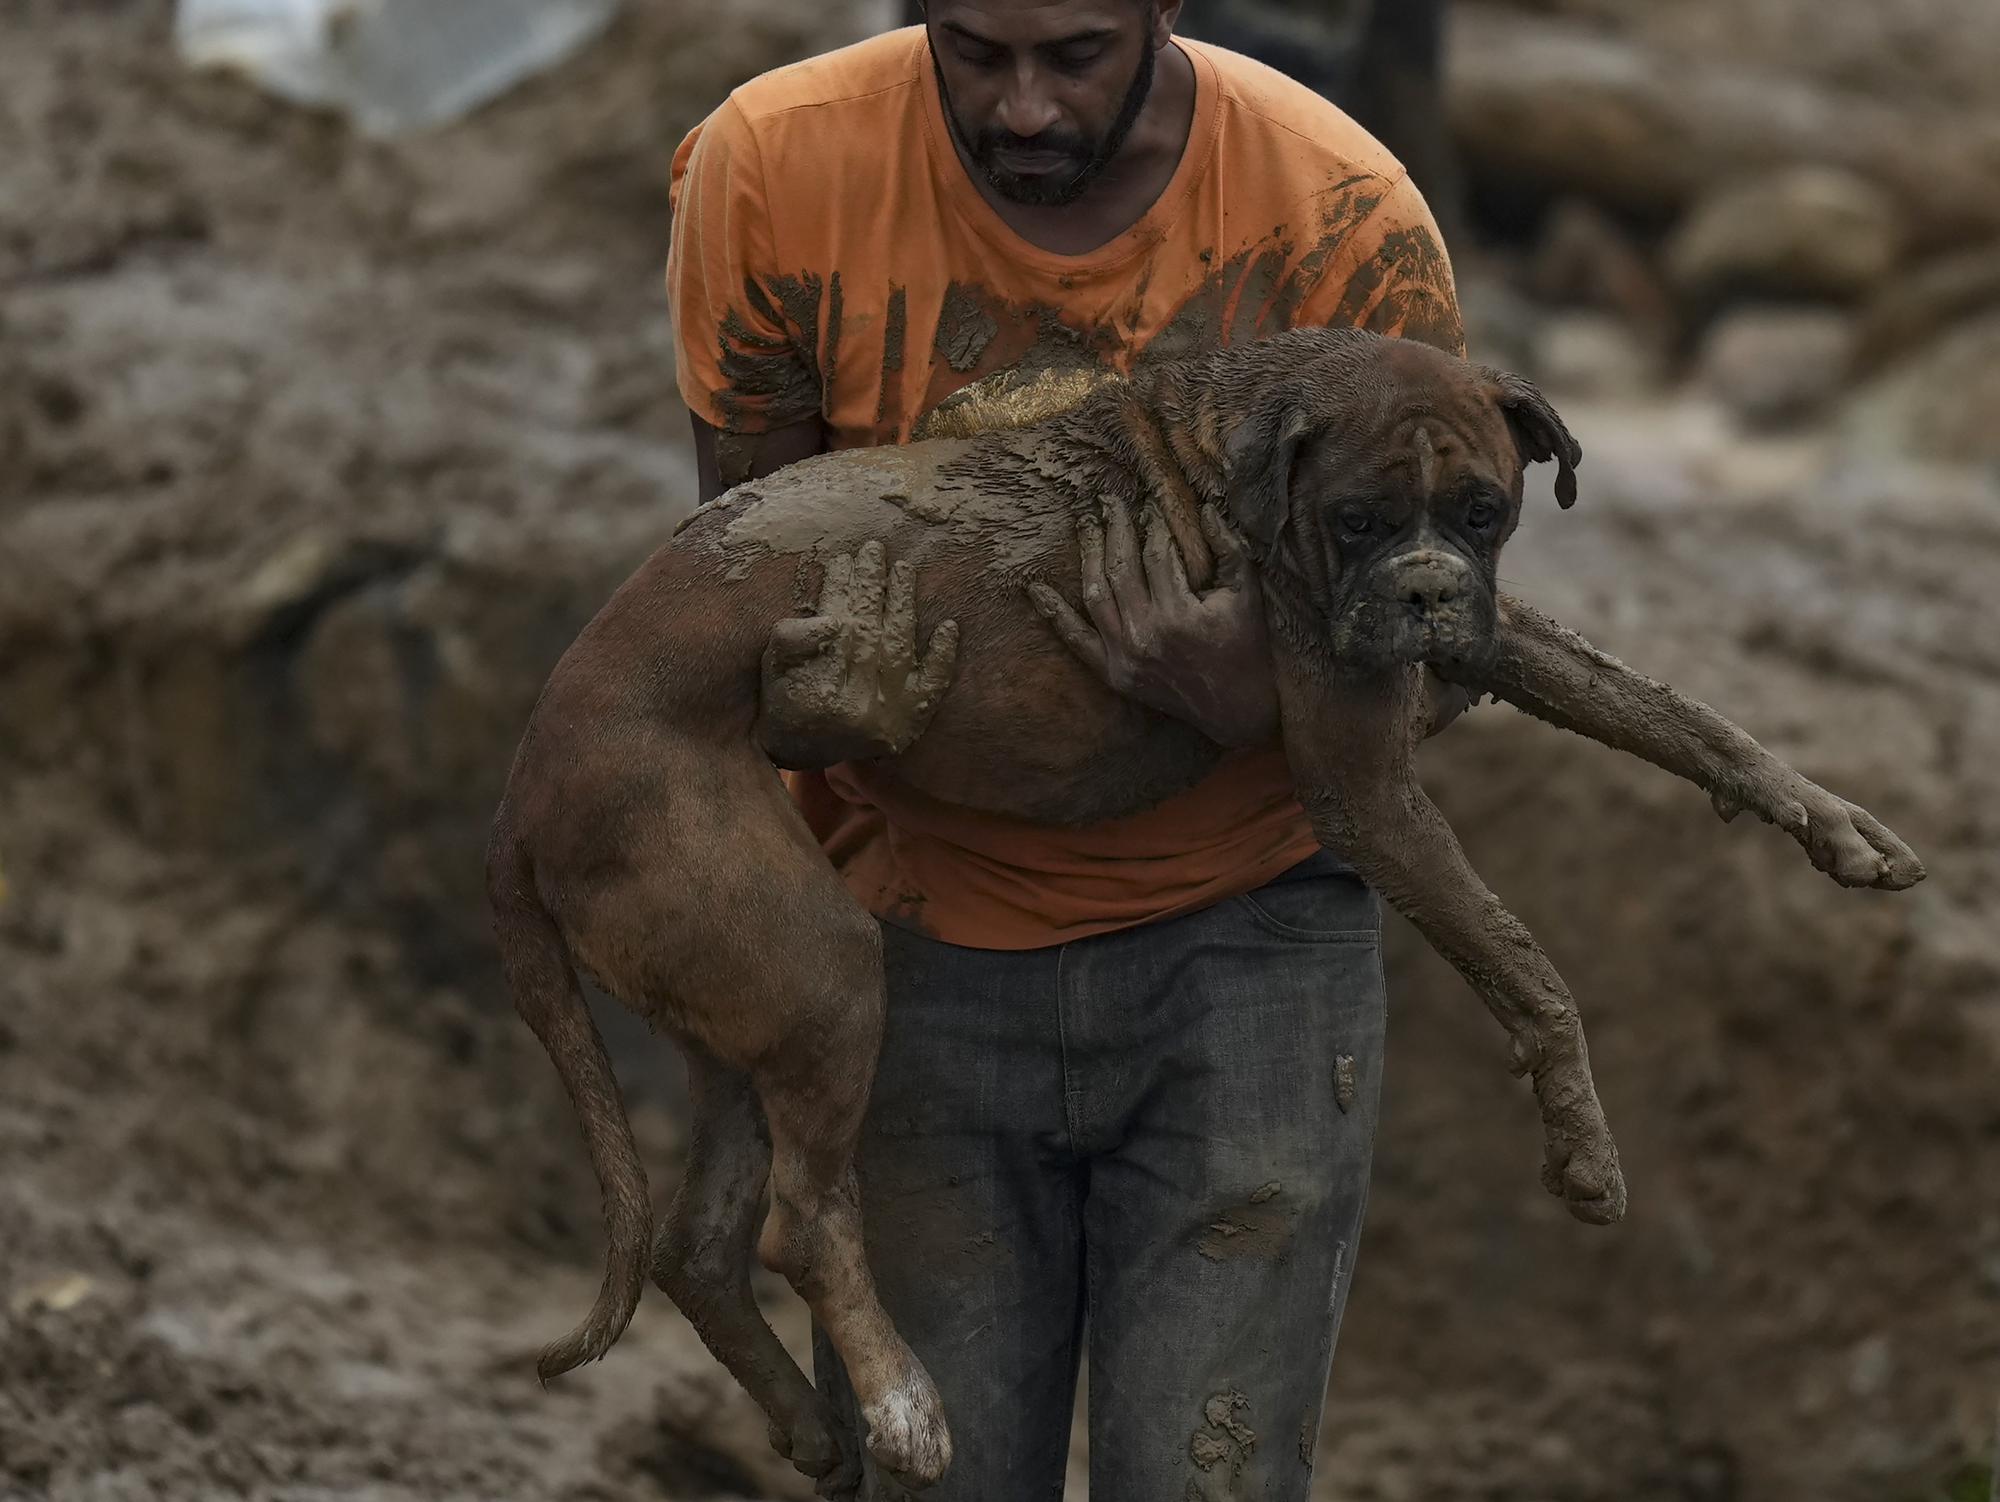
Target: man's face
x=1042, y=93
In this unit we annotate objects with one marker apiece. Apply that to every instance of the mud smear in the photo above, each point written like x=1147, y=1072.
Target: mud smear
x=1258, y=1230
x=1221, y=1447
x=778, y=361
x=895, y=329
x=964, y=328
x=1408, y=290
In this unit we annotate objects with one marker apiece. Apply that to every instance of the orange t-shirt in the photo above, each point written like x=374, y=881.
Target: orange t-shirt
x=831, y=258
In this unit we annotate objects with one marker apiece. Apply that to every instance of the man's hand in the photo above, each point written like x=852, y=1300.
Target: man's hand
x=847, y=684
x=1204, y=659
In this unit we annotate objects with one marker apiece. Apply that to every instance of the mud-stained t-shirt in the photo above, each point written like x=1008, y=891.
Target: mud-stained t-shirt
x=832, y=259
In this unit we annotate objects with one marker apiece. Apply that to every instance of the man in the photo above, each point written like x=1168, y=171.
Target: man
x=1380, y=60
x=1131, y=1070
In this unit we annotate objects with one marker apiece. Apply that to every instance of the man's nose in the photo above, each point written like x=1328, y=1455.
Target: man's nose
x=1026, y=108
x=1428, y=580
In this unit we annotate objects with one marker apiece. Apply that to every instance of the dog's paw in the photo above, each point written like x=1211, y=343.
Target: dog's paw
x=842, y=1480
x=811, y=1446
x=1582, y=1170
x=906, y=1429
x=1848, y=843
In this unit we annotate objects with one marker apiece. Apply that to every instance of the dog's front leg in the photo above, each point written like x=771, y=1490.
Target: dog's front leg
x=1554, y=674
x=1351, y=739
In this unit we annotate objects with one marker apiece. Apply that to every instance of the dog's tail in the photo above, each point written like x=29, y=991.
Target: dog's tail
x=544, y=985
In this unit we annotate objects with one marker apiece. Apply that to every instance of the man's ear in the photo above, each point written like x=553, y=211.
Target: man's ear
x=1538, y=432
x=1257, y=469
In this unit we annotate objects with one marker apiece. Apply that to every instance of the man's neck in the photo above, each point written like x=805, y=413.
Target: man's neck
x=1126, y=187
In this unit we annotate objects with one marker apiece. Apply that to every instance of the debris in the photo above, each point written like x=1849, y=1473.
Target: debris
x=58, y=1294
x=392, y=65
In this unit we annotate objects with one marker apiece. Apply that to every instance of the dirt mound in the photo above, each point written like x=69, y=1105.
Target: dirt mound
x=313, y=455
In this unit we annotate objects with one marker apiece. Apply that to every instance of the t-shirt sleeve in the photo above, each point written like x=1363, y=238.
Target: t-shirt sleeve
x=743, y=367
x=1393, y=276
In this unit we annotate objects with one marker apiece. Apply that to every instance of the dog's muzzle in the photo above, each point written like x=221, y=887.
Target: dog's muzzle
x=1428, y=581
x=1431, y=606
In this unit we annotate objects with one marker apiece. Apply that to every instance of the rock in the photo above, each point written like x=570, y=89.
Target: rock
x=1923, y=52
x=1914, y=308
x=1943, y=402
x=1564, y=107
x=1773, y=367
x=1594, y=354
x=1586, y=259
x=1806, y=231
x=58, y=1294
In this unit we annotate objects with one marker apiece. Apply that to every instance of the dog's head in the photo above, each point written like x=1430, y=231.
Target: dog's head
x=1376, y=483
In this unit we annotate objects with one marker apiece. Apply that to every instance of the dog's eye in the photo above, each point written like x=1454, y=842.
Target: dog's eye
x=1479, y=515
x=1357, y=522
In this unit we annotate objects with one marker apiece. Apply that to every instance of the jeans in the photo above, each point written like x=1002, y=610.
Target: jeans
x=1165, y=1132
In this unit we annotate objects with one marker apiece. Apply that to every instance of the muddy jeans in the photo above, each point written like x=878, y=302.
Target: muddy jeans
x=1166, y=1130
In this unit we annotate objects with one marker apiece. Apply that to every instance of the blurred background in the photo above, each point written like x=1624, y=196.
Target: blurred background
x=317, y=446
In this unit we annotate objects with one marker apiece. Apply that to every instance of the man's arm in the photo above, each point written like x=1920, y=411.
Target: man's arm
x=846, y=682
x=725, y=459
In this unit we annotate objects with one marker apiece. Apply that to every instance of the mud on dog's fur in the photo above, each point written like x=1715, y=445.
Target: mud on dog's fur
x=645, y=840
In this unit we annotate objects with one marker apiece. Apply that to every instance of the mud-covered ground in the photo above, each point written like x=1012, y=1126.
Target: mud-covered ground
x=313, y=454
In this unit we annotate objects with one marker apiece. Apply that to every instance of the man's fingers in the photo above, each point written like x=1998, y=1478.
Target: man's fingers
x=799, y=639
x=1122, y=568
x=837, y=585
x=870, y=579
x=1077, y=634
x=1177, y=578
x=1166, y=579
x=899, y=619
x=1097, y=596
x=1232, y=559
x=940, y=657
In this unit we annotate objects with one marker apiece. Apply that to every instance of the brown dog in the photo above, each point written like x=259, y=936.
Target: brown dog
x=645, y=839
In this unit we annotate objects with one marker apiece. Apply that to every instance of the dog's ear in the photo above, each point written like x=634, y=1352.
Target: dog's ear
x=1538, y=432
x=1257, y=469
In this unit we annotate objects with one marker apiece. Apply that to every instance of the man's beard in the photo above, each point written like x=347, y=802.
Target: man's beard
x=1084, y=158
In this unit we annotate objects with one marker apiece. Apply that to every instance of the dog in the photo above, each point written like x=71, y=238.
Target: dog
x=645, y=839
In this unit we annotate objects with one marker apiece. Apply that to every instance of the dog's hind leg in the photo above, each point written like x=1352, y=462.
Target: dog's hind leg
x=814, y=1089
x=728, y=917
x=1351, y=740
x=701, y=1260
x=1548, y=670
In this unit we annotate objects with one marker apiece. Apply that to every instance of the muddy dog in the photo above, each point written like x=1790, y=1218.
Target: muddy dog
x=646, y=841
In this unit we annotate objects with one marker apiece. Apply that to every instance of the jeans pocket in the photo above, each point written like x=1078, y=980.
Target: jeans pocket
x=1321, y=907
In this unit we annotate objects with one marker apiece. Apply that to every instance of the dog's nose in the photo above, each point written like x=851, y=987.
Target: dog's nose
x=1427, y=593
x=1428, y=581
